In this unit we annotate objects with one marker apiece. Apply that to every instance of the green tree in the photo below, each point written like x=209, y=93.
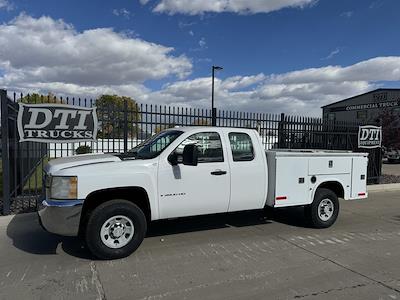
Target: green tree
x=39, y=98
x=110, y=113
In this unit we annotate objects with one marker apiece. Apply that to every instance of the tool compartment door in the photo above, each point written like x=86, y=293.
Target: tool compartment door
x=359, y=177
x=291, y=181
x=329, y=165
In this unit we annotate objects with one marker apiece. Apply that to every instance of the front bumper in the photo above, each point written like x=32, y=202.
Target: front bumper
x=61, y=216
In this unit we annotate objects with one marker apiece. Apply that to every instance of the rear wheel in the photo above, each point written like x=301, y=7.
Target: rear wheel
x=324, y=210
x=115, y=229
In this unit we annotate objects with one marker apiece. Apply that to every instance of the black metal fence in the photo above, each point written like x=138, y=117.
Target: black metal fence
x=124, y=124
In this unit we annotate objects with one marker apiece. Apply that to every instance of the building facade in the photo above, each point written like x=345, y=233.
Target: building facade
x=367, y=108
x=379, y=107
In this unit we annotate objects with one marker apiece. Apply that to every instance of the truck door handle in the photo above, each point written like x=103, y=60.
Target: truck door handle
x=218, y=172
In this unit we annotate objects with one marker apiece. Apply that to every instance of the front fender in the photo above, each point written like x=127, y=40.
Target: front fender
x=92, y=178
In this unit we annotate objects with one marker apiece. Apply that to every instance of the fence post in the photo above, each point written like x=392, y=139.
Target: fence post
x=281, y=133
x=125, y=125
x=214, y=117
x=379, y=152
x=5, y=152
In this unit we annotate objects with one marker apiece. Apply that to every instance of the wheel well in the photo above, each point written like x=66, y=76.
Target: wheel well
x=136, y=195
x=334, y=186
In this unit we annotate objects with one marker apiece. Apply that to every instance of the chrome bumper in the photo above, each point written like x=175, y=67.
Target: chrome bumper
x=61, y=216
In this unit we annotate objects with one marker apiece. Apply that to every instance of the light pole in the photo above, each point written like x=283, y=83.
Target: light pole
x=213, y=109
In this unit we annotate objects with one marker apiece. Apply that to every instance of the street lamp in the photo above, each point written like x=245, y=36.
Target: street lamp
x=213, y=109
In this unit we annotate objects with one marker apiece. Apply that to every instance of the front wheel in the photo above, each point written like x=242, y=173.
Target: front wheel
x=324, y=210
x=115, y=229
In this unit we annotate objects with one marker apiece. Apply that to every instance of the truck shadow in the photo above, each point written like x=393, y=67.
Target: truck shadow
x=207, y=222
x=27, y=235
x=289, y=216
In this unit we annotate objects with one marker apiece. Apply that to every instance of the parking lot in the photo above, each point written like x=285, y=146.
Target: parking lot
x=238, y=256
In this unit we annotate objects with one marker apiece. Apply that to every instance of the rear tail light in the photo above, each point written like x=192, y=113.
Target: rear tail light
x=361, y=194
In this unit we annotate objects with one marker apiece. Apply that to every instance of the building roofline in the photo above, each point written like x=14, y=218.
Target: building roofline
x=373, y=91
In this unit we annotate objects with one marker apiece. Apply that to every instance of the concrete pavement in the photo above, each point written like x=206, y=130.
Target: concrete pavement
x=238, y=256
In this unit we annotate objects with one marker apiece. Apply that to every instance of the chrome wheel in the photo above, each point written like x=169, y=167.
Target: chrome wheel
x=325, y=209
x=117, y=232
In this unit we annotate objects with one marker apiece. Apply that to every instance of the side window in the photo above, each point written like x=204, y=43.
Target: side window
x=209, y=146
x=241, y=146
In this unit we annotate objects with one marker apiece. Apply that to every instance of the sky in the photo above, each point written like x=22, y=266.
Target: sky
x=290, y=56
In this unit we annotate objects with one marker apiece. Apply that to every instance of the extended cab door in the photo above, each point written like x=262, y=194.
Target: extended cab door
x=195, y=190
x=248, y=164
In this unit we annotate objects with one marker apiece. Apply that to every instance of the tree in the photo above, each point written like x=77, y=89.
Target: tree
x=111, y=115
x=389, y=120
x=39, y=98
x=201, y=122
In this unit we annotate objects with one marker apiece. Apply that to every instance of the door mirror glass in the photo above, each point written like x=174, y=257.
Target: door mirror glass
x=190, y=155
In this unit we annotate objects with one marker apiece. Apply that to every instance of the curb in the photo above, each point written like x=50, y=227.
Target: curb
x=384, y=187
x=4, y=220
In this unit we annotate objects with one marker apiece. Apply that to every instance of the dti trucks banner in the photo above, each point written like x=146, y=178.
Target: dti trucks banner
x=369, y=136
x=47, y=123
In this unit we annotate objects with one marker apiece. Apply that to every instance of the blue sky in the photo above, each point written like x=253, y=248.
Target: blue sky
x=290, y=55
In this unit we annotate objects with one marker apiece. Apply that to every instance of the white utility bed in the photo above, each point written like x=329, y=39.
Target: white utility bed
x=294, y=174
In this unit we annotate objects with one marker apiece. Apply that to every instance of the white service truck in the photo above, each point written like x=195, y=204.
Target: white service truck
x=108, y=199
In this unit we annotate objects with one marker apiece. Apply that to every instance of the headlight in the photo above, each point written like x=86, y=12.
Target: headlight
x=64, y=187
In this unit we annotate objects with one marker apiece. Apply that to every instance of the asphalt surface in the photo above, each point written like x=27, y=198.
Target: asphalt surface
x=239, y=256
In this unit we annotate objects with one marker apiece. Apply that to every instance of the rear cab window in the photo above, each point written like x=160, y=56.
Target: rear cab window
x=241, y=146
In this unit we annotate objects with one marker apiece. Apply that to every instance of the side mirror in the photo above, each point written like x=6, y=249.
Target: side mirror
x=173, y=159
x=190, y=155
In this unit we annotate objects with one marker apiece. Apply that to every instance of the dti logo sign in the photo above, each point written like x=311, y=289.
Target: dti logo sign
x=56, y=123
x=369, y=136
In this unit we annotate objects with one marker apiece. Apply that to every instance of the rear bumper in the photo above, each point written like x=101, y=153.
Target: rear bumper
x=61, y=216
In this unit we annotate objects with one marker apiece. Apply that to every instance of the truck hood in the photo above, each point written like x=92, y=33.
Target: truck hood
x=55, y=165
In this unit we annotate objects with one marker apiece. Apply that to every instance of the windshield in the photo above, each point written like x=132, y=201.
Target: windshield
x=153, y=146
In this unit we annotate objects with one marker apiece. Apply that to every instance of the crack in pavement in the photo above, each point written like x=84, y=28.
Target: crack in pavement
x=96, y=281
x=334, y=290
x=340, y=265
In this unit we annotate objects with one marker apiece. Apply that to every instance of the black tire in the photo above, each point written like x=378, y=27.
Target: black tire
x=106, y=211
x=312, y=213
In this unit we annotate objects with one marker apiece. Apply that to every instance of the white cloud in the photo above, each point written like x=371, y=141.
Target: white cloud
x=45, y=52
x=42, y=55
x=375, y=69
x=5, y=4
x=333, y=53
x=144, y=2
x=376, y=4
x=182, y=24
x=347, y=14
x=194, y=7
x=299, y=92
x=203, y=43
x=123, y=12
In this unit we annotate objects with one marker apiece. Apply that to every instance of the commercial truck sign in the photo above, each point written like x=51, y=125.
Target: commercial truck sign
x=369, y=136
x=56, y=123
